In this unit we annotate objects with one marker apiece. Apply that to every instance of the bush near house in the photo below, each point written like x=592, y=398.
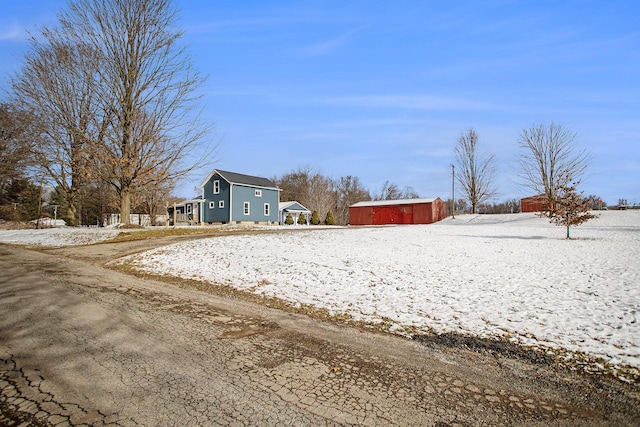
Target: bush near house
x=302, y=220
x=315, y=218
x=289, y=220
x=330, y=219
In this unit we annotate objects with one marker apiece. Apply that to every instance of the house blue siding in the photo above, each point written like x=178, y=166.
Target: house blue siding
x=244, y=194
x=216, y=214
x=234, y=196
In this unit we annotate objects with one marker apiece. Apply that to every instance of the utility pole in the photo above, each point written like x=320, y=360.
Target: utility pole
x=453, y=192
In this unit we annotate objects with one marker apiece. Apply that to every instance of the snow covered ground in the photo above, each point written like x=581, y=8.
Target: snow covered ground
x=490, y=275
x=510, y=276
x=58, y=236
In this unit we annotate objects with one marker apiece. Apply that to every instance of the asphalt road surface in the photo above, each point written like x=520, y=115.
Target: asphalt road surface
x=84, y=345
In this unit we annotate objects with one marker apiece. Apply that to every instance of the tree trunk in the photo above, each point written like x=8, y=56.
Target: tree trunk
x=72, y=212
x=152, y=213
x=125, y=206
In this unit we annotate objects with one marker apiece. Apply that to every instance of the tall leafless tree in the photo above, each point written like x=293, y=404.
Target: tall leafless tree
x=322, y=195
x=312, y=189
x=56, y=87
x=391, y=191
x=549, y=160
x=475, y=172
x=146, y=91
x=14, y=144
x=295, y=185
x=349, y=191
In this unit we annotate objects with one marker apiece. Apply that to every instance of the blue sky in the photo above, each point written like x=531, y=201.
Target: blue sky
x=381, y=90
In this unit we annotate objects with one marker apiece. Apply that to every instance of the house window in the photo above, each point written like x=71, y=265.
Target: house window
x=258, y=193
x=221, y=204
x=246, y=208
x=266, y=209
x=189, y=209
x=216, y=187
x=212, y=205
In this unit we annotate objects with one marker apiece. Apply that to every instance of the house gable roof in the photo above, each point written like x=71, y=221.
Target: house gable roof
x=292, y=206
x=241, y=179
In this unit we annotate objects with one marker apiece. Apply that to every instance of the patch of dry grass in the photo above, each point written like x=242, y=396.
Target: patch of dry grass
x=151, y=233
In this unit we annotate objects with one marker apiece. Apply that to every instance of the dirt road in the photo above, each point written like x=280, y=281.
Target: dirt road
x=84, y=345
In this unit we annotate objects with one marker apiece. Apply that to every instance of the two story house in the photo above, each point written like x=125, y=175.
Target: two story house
x=229, y=197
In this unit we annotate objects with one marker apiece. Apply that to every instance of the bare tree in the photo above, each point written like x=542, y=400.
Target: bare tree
x=349, y=191
x=461, y=206
x=56, y=87
x=322, y=195
x=146, y=89
x=409, y=193
x=154, y=198
x=549, y=160
x=14, y=144
x=475, y=172
x=391, y=191
x=295, y=185
x=315, y=191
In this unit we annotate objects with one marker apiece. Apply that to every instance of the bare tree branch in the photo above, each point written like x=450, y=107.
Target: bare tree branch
x=15, y=138
x=474, y=172
x=56, y=87
x=549, y=160
x=349, y=191
x=146, y=88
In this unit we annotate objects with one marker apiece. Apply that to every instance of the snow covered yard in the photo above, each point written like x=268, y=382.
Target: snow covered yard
x=58, y=236
x=511, y=276
x=491, y=276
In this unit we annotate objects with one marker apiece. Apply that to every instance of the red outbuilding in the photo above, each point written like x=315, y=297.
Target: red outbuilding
x=533, y=203
x=410, y=211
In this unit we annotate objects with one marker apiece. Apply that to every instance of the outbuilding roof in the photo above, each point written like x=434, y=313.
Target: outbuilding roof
x=287, y=207
x=392, y=202
x=241, y=179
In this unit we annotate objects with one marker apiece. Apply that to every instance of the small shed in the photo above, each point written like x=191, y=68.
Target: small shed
x=535, y=203
x=408, y=211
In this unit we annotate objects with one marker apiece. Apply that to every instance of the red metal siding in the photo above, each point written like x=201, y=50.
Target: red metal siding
x=360, y=216
x=439, y=210
x=410, y=213
x=385, y=215
x=533, y=204
x=391, y=215
x=423, y=213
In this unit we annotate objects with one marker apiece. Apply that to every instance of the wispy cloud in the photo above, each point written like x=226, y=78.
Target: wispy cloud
x=12, y=32
x=411, y=102
x=238, y=24
x=331, y=45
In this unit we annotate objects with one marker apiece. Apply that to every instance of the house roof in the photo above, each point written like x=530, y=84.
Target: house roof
x=392, y=202
x=241, y=179
x=184, y=202
x=286, y=206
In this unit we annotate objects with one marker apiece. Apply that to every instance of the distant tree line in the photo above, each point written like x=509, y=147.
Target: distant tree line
x=322, y=195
